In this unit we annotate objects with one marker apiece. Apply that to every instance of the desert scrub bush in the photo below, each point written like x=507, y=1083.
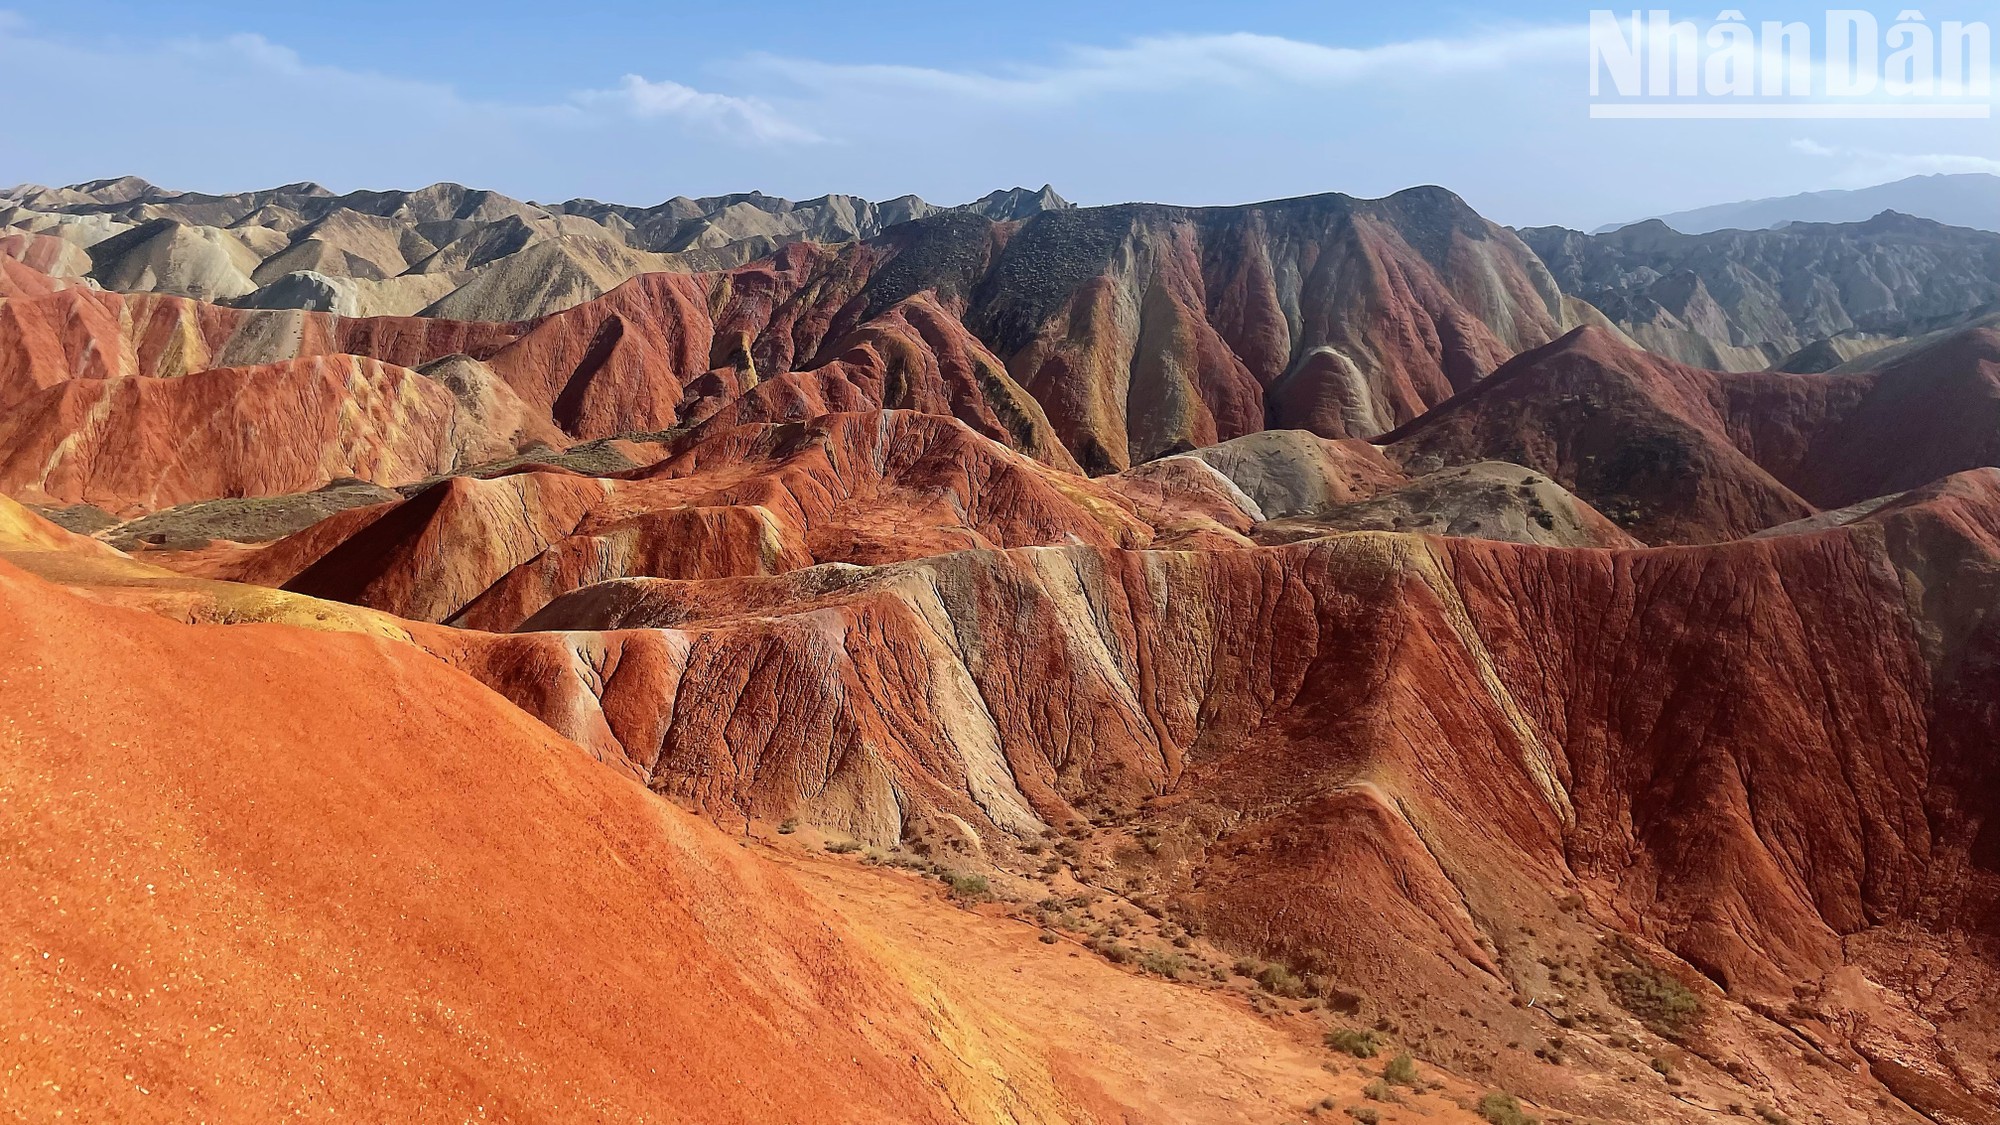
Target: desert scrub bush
x=1660, y=1000
x=1280, y=981
x=1380, y=1091
x=1162, y=963
x=788, y=826
x=1111, y=950
x=1273, y=978
x=1401, y=1071
x=1503, y=1109
x=1360, y=1044
x=842, y=847
x=1365, y=1114
x=967, y=886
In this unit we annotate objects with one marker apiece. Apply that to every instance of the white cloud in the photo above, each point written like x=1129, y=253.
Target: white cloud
x=723, y=112
x=1159, y=63
x=1866, y=167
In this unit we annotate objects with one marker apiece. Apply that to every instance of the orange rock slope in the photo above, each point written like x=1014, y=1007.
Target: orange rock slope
x=310, y=874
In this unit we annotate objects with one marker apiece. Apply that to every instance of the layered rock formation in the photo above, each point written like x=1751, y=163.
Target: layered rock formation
x=444, y=250
x=1759, y=756
x=1743, y=300
x=139, y=444
x=1330, y=314
x=1677, y=454
x=1147, y=329
x=748, y=499
x=1278, y=571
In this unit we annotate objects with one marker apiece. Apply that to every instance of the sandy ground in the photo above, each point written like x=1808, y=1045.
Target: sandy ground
x=1173, y=1052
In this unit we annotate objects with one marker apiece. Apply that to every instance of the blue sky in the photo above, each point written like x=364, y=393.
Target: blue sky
x=635, y=102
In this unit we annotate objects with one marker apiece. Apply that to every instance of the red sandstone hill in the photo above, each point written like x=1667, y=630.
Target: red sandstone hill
x=1102, y=337
x=753, y=498
x=1926, y=415
x=85, y=334
x=1753, y=768
x=1641, y=833
x=140, y=444
x=318, y=874
x=1334, y=314
x=1758, y=761
x=1756, y=769
x=35, y=265
x=730, y=499
x=1678, y=454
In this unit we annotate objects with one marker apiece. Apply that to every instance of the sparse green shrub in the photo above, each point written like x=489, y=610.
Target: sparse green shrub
x=1360, y=1044
x=967, y=886
x=842, y=847
x=1401, y=1071
x=1162, y=963
x=789, y=826
x=1048, y=938
x=1503, y=1109
x=1660, y=1001
x=1280, y=981
x=1111, y=950
x=1380, y=1091
x=1365, y=1114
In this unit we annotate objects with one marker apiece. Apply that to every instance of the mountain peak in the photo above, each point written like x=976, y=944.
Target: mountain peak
x=1960, y=199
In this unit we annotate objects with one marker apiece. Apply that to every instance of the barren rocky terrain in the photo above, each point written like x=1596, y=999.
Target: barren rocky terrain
x=1325, y=659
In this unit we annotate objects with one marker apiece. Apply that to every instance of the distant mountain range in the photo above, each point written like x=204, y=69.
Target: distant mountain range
x=444, y=250
x=1743, y=300
x=1967, y=200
